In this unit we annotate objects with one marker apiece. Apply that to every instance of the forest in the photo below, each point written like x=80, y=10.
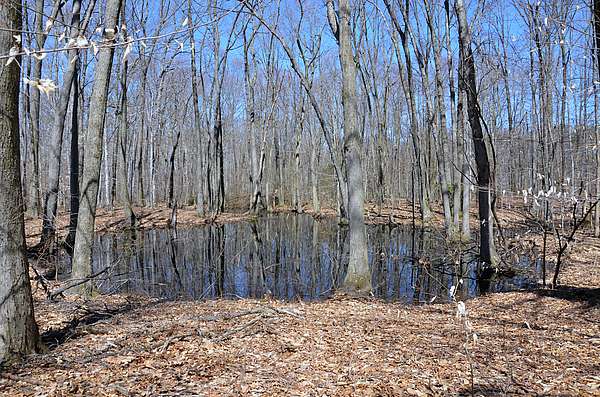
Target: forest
x=299, y=197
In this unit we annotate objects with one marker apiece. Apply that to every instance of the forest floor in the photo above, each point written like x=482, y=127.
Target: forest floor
x=113, y=220
x=540, y=342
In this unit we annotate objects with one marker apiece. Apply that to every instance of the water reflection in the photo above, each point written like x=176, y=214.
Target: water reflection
x=288, y=257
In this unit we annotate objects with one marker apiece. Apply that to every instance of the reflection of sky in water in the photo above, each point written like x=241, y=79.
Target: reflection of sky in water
x=288, y=257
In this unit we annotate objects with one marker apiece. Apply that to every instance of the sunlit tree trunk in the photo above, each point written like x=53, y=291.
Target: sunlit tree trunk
x=418, y=146
x=122, y=142
x=18, y=330
x=358, y=276
x=82, y=255
x=481, y=155
x=197, y=126
x=440, y=104
x=56, y=141
x=35, y=97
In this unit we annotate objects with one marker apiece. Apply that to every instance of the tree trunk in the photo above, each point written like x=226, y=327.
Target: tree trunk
x=18, y=330
x=596, y=19
x=56, y=141
x=440, y=104
x=297, y=200
x=457, y=144
x=123, y=183
x=34, y=96
x=358, y=276
x=82, y=255
x=74, y=169
x=414, y=124
x=197, y=128
x=314, y=177
x=172, y=202
x=481, y=155
x=463, y=159
x=250, y=76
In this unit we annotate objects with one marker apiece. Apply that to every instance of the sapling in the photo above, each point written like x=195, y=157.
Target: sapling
x=469, y=333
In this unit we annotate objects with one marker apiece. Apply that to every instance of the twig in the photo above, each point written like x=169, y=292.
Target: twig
x=265, y=310
x=74, y=284
x=242, y=327
x=17, y=378
x=562, y=248
x=40, y=279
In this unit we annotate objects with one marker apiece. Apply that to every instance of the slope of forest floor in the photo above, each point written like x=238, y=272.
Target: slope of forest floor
x=540, y=342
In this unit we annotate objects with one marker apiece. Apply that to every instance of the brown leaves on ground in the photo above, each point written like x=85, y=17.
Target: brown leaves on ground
x=528, y=343
x=543, y=342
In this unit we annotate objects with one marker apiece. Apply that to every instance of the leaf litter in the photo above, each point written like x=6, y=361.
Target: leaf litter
x=528, y=343
x=540, y=342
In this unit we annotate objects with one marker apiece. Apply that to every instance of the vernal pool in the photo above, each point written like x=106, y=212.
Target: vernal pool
x=288, y=257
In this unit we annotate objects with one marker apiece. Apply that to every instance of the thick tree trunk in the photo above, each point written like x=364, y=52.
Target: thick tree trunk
x=18, y=330
x=82, y=255
x=359, y=275
x=481, y=155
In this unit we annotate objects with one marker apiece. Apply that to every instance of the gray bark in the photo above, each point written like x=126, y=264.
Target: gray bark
x=440, y=103
x=414, y=124
x=358, y=276
x=74, y=169
x=18, y=330
x=82, y=255
x=197, y=127
x=596, y=21
x=123, y=183
x=54, y=161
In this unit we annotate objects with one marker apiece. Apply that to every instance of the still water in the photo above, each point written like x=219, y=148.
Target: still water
x=287, y=257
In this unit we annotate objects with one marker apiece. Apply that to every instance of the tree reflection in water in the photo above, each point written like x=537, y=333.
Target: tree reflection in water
x=287, y=257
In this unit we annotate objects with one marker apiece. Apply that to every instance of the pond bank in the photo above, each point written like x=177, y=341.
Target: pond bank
x=536, y=342
x=113, y=220
x=539, y=342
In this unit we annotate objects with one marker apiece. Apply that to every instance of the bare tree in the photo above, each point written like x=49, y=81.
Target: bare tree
x=481, y=155
x=410, y=94
x=18, y=330
x=54, y=163
x=42, y=31
x=82, y=254
x=596, y=21
x=125, y=195
x=358, y=267
x=197, y=118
